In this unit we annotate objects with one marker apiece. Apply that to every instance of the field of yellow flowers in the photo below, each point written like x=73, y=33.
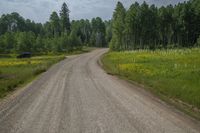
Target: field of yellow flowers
x=14, y=72
x=172, y=73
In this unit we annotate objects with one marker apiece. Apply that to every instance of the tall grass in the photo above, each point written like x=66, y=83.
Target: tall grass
x=14, y=72
x=172, y=73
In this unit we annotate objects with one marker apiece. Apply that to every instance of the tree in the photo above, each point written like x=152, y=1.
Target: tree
x=140, y=27
x=198, y=42
x=154, y=28
x=38, y=46
x=132, y=26
x=108, y=25
x=75, y=41
x=56, y=45
x=65, y=21
x=190, y=19
x=25, y=41
x=55, y=24
x=12, y=23
x=65, y=43
x=2, y=45
x=9, y=42
x=98, y=33
x=118, y=27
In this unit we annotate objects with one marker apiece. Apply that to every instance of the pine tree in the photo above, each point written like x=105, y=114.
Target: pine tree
x=65, y=21
x=118, y=27
x=55, y=24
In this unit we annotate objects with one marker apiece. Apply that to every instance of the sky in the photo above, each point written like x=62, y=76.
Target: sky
x=40, y=10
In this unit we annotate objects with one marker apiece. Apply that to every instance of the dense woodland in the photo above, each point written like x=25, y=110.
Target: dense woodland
x=139, y=27
x=59, y=34
x=149, y=27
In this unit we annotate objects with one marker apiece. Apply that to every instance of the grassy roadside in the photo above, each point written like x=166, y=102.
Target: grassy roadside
x=18, y=72
x=173, y=75
x=15, y=72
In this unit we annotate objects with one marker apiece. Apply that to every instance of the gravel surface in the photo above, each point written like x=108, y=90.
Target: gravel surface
x=77, y=96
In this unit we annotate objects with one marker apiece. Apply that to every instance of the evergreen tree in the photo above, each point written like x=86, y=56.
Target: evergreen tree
x=118, y=27
x=98, y=32
x=55, y=24
x=65, y=21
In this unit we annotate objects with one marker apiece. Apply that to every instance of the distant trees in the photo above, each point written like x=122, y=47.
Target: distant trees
x=98, y=33
x=25, y=41
x=143, y=26
x=56, y=35
x=82, y=29
x=7, y=42
x=140, y=27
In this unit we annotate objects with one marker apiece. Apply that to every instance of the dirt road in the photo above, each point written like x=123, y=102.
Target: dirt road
x=77, y=96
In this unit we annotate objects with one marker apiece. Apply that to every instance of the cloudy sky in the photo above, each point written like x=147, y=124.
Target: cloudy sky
x=39, y=10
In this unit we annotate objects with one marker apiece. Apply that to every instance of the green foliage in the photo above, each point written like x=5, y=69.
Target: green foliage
x=25, y=41
x=140, y=27
x=82, y=29
x=65, y=22
x=57, y=35
x=7, y=42
x=198, y=42
x=108, y=25
x=98, y=38
x=38, y=46
x=149, y=27
x=75, y=40
x=2, y=45
x=55, y=24
x=118, y=27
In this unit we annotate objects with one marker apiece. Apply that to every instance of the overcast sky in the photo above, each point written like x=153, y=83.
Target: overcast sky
x=40, y=10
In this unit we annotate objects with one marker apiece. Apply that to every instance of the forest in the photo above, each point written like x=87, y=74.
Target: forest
x=142, y=26
x=149, y=27
x=59, y=34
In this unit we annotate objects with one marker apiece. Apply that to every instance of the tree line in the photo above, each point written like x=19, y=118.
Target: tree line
x=142, y=26
x=149, y=27
x=59, y=34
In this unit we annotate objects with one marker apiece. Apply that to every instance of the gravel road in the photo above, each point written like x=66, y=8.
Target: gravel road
x=77, y=96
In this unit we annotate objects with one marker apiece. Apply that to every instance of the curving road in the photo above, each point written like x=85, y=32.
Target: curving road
x=77, y=96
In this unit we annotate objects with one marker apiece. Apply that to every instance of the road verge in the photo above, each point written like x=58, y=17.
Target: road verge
x=188, y=109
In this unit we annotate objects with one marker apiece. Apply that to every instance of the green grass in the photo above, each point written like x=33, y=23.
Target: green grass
x=15, y=72
x=174, y=74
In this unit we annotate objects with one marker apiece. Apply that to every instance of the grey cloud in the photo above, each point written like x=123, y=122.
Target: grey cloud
x=40, y=10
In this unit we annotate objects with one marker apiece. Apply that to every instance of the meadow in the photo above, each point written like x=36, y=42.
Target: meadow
x=15, y=72
x=174, y=74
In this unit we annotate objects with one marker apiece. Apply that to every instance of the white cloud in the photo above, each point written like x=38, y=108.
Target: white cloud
x=40, y=10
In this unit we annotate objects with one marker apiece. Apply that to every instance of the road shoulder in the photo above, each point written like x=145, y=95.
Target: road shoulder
x=173, y=107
